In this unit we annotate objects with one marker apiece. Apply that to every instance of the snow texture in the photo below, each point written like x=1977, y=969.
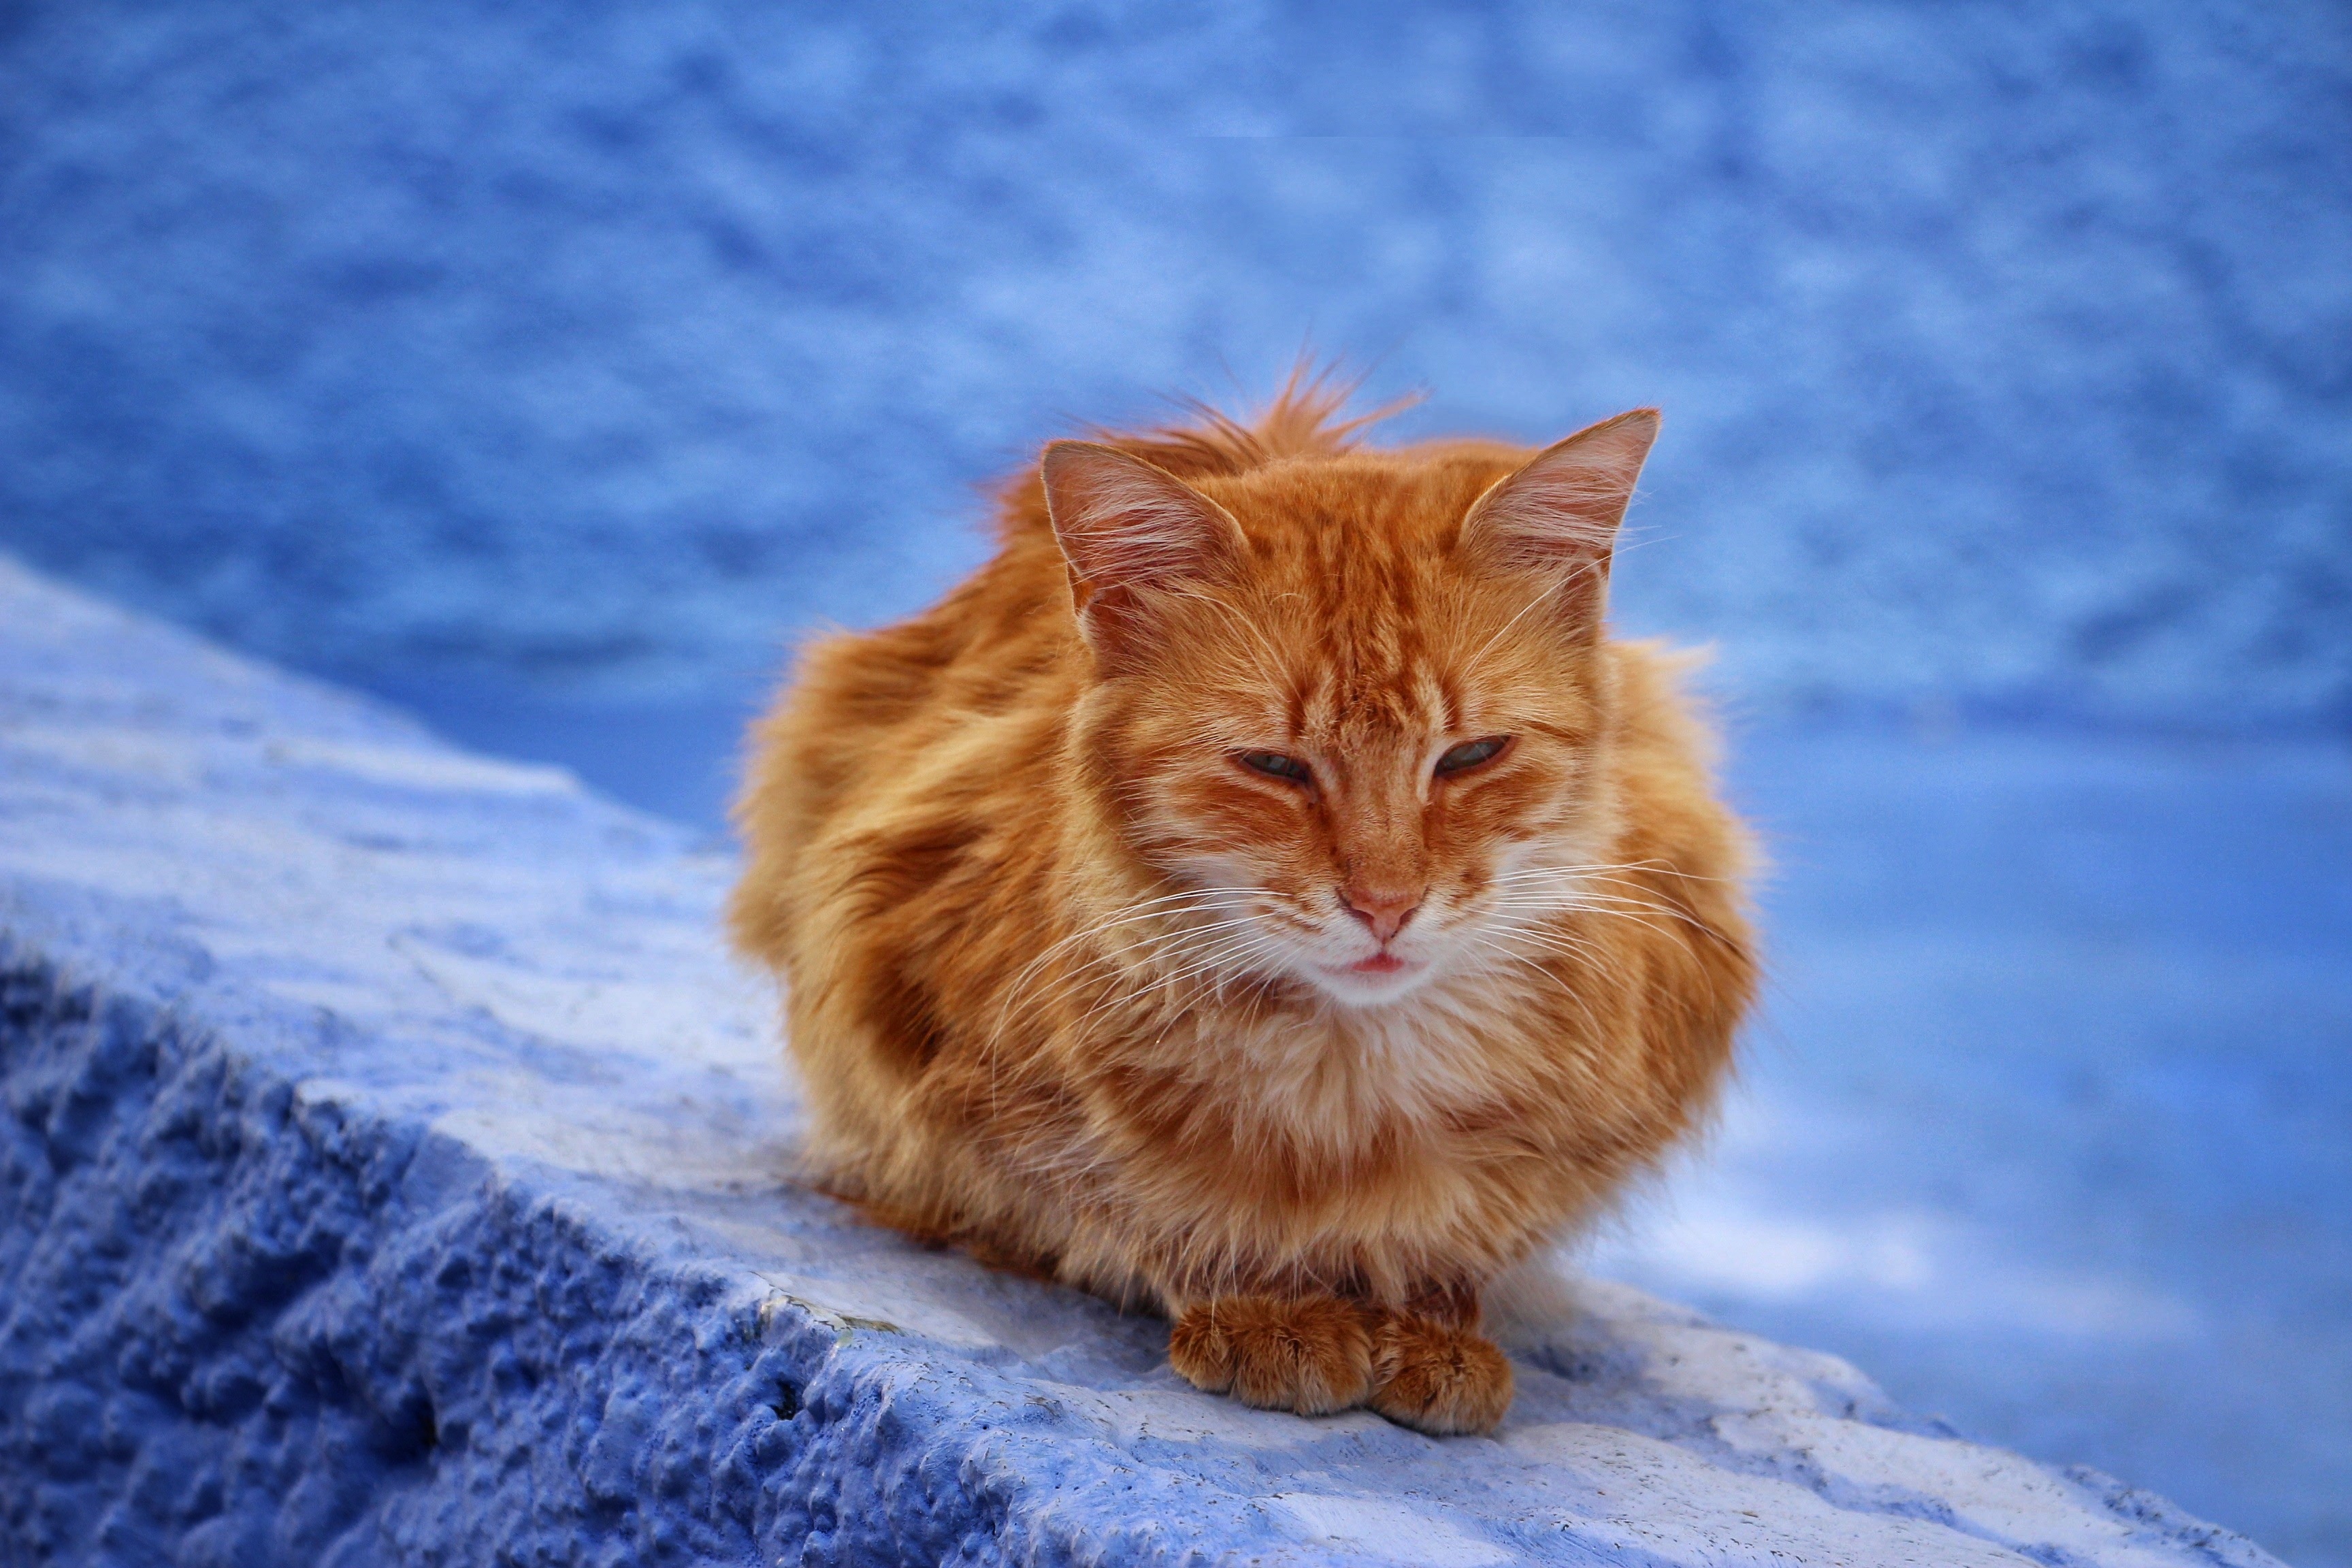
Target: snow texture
x=597, y=347
x=394, y=1170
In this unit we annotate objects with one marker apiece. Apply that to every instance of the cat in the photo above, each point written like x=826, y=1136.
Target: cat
x=1264, y=893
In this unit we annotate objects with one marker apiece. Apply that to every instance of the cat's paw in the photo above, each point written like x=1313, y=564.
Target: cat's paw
x=1437, y=1378
x=1311, y=1356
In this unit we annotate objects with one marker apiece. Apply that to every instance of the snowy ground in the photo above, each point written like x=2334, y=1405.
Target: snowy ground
x=2050, y=1123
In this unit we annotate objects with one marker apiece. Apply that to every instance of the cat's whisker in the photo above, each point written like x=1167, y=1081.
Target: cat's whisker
x=1113, y=974
x=1556, y=586
x=1588, y=900
x=1552, y=935
x=1158, y=949
x=1271, y=673
x=1199, y=962
x=1612, y=912
x=1584, y=954
x=1583, y=1005
x=1654, y=868
x=1219, y=953
x=1167, y=905
x=1535, y=907
x=1588, y=903
x=1131, y=915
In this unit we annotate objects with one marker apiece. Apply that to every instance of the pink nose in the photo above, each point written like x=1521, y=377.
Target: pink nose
x=1385, y=910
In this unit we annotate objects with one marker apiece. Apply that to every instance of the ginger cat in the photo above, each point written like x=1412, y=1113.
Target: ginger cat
x=1263, y=892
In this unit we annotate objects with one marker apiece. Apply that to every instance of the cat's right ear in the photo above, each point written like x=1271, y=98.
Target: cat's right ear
x=1128, y=529
x=1557, y=515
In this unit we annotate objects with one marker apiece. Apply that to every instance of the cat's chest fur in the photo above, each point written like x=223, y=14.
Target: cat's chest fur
x=1330, y=1125
x=1348, y=1078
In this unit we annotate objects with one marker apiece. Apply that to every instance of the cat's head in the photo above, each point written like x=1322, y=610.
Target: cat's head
x=1354, y=702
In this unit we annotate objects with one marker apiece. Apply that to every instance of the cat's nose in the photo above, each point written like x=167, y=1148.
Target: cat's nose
x=1384, y=909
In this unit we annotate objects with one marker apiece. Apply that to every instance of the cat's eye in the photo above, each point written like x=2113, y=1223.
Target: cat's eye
x=1470, y=754
x=1274, y=765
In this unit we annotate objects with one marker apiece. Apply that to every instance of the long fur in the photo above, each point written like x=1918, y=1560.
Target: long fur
x=1067, y=978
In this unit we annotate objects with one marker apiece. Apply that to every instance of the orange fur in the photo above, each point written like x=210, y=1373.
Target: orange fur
x=1298, y=1060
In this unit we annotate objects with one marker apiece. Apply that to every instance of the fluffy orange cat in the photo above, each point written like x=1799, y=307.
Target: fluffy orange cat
x=1263, y=892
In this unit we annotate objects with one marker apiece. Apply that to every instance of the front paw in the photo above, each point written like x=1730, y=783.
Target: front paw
x=1437, y=1378
x=1311, y=1355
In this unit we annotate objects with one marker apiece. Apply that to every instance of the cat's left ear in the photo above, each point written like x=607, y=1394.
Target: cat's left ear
x=1129, y=531
x=1559, y=513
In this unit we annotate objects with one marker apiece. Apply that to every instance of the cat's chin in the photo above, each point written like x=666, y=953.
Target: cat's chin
x=1371, y=983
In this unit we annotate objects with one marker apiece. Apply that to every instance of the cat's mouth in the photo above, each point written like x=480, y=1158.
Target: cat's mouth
x=1380, y=975
x=1384, y=978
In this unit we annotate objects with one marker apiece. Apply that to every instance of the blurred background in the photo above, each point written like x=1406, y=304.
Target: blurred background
x=546, y=368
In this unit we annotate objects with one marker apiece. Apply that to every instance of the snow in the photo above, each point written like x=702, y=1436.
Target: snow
x=396, y=1169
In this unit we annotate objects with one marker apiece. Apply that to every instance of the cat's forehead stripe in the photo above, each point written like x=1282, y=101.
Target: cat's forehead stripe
x=1348, y=712
x=1313, y=704
x=1449, y=701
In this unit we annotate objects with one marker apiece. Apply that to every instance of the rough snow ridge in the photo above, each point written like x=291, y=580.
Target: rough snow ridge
x=393, y=1170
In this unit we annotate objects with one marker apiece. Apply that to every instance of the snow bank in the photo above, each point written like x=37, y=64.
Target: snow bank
x=394, y=1170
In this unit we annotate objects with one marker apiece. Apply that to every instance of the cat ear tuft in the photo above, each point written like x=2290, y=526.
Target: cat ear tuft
x=1558, y=513
x=1126, y=526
